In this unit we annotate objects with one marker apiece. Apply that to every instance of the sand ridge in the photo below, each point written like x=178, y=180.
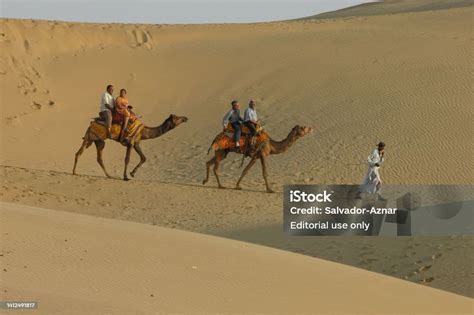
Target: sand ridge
x=125, y=267
x=442, y=262
x=393, y=7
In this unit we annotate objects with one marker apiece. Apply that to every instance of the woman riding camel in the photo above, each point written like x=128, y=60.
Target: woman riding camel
x=123, y=112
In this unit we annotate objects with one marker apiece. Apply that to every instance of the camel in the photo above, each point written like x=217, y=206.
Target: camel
x=267, y=148
x=146, y=133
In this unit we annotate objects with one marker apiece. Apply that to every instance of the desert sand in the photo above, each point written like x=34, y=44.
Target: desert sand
x=118, y=266
x=393, y=7
x=357, y=78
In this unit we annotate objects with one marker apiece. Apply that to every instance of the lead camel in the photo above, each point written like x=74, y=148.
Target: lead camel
x=262, y=153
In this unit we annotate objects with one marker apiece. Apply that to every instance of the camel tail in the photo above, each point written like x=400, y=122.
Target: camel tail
x=87, y=137
x=210, y=147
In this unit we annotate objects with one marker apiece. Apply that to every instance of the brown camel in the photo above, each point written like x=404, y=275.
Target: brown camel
x=270, y=147
x=146, y=133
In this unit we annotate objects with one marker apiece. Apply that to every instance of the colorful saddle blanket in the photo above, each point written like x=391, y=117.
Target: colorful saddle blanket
x=225, y=140
x=98, y=128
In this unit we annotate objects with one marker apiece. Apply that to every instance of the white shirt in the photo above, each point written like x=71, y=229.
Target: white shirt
x=250, y=114
x=372, y=180
x=106, y=99
x=375, y=158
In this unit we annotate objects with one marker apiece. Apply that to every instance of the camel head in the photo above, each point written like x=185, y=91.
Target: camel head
x=177, y=120
x=300, y=131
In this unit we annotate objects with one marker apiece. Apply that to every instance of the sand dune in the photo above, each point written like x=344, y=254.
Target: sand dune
x=403, y=78
x=75, y=264
x=393, y=7
x=255, y=217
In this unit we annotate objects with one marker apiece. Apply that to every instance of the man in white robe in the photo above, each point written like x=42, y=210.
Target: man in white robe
x=372, y=183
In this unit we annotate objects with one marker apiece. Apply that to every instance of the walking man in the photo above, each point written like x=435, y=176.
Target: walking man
x=372, y=183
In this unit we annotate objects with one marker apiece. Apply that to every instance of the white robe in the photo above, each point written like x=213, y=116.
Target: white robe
x=372, y=181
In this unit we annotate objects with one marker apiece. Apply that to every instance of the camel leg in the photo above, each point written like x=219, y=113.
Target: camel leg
x=142, y=158
x=85, y=144
x=208, y=168
x=218, y=158
x=127, y=160
x=244, y=172
x=263, y=159
x=100, y=145
x=216, y=172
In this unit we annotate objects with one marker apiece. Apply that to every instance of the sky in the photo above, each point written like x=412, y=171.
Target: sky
x=168, y=11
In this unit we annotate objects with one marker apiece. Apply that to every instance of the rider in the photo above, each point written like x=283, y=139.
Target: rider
x=106, y=107
x=122, y=108
x=251, y=121
x=233, y=117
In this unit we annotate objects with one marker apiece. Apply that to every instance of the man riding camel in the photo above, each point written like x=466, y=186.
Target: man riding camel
x=233, y=118
x=251, y=121
x=107, y=105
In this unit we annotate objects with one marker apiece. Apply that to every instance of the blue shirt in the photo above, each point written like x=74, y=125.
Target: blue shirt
x=231, y=117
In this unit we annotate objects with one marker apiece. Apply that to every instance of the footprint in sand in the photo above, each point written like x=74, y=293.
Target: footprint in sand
x=426, y=280
x=3, y=37
x=13, y=120
x=141, y=38
x=26, y=44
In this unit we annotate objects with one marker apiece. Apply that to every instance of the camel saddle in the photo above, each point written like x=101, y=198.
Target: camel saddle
x=99, y=129
x=225, y=141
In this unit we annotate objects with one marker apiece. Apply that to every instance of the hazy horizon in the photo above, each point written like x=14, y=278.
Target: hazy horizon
x=168, y=11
